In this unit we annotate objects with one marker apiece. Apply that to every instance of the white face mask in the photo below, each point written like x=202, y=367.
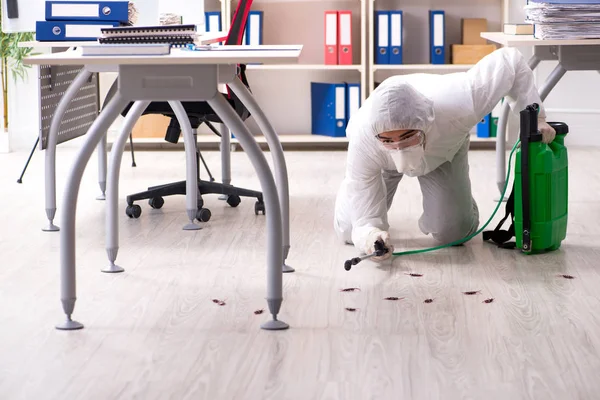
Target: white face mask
x=409, y=161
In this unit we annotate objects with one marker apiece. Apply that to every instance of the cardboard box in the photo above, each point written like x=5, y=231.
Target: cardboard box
x=151, y=126
x=518, y=29
x=471, y=30
x=470, y=54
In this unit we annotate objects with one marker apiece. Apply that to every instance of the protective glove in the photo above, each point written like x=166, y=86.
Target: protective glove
x=548, y=132
x=374, y=236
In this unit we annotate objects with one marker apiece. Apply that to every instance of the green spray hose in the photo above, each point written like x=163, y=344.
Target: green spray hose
x=403, y=253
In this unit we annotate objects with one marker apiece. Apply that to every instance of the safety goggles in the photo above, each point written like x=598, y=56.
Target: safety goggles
x=410, y=139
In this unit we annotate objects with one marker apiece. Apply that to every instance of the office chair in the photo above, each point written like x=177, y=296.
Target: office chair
x=200, y=112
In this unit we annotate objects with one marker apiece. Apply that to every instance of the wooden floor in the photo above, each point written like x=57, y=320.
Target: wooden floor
x=154, y=333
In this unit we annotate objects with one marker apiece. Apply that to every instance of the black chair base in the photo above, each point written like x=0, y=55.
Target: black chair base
x=155, y=198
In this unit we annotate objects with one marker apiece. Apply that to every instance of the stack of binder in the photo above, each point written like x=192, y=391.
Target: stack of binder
x=332, y=106
x=338, y=37
x=388, y=37
x=80, y=20
x=564, y=19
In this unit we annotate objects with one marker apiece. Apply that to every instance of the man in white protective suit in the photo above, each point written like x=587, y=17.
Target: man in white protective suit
x=418, y=125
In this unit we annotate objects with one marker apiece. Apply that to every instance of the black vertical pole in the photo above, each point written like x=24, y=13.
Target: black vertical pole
x=20, y=180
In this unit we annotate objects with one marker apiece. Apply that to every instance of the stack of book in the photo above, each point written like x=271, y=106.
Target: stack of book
x=80, y=20
x=564, y=19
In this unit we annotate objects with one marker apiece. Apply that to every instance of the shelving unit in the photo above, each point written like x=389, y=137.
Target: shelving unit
x=284, y=90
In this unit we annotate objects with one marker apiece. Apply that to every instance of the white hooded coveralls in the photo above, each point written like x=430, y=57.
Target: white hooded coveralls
x=445, y=108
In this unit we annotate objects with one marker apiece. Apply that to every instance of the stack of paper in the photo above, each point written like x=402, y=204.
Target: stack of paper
x=142, y=40
x=564, y=19
x=174, y=35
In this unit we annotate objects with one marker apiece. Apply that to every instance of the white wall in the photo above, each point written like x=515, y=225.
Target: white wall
x=23, y=111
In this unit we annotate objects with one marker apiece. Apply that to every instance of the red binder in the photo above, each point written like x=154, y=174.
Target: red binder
x=345, y=37
x=331, y=37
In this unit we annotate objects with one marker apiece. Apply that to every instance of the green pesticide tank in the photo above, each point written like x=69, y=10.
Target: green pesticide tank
x=541, y=187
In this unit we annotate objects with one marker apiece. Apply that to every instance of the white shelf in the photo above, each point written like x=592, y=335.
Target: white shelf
x=289, y=140
x=308, y=67
x=422, y=67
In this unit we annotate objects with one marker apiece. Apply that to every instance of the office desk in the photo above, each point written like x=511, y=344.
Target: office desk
x=61, y=109
x=181, y=76
x=572, y=55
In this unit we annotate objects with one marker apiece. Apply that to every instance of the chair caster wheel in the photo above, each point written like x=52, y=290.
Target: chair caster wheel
x=259, y=207
x=203, y=215
x=156, y=202
x=200, y=203
x=133, y=211
x=234, y=200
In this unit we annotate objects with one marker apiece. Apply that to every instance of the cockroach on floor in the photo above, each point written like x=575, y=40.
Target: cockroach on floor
x=413, y=274
x=350, y=289
x=219, y=302
x=472, y=292
x=350, y=309
x=393, y=298
x=428, y=301
x=488, y=300
x=567, y=276
x=257, y=312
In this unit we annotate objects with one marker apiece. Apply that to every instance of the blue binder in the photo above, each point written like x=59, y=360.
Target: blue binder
x=353, y=99
x=382, y=37
x=328, y=104
x=213, y=21
x=87, y=11
x=437, y=36
x=396, y=27
x=66, y=30
x=254, y=28
x=484, y=127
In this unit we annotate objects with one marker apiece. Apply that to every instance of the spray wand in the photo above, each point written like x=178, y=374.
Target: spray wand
x=380, y=250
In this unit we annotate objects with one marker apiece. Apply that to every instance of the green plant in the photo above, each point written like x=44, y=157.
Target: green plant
x=12, y=60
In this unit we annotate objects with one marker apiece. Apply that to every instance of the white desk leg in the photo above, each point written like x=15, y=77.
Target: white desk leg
x=501, y=136
x=269, y=189
x=555, y=76
x=225, y=158
x=50, y=173
x=67, y=237
x=102, y=147
x=281, y=174
x=191, y=186
x=102, y=167
x=112, y=192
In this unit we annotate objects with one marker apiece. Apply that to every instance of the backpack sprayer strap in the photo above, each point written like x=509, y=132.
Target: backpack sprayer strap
x=500, y=236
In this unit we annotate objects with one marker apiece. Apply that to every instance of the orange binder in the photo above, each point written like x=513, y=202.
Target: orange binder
x=331, y=37
x=345, y=37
